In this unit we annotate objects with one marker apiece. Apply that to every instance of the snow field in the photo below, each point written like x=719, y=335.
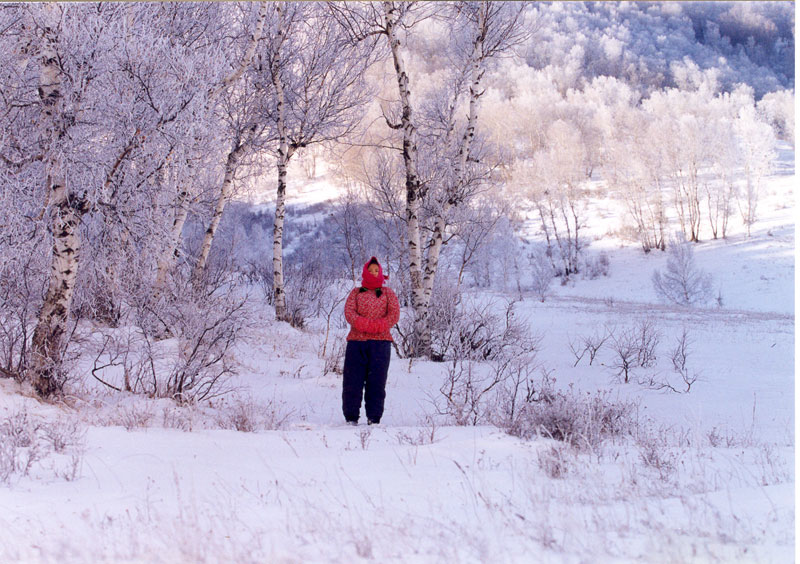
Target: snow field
x=474, y=494
x=704, y=476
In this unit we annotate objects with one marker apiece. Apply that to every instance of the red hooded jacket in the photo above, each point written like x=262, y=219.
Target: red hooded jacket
x=370, y=316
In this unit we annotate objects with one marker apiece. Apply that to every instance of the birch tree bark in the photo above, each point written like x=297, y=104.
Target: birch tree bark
x=170, y=252
x=412, y=185
x=65, y=214
x=454, y=193
x=494, y=28
x=317, y=73
x=285, y=153
x=77, y=64
x=231, y=164
x=169, y=255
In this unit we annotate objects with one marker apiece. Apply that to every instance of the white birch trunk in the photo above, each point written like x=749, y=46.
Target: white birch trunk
x=170, y=252
x=421, y=325
x=437, y=239
x=284, y=155
x=47, y=343
x=278, y=287
x=225, y=194
x=248, y=54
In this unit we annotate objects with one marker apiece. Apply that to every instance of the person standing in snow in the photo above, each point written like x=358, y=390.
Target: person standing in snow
x=371, y=310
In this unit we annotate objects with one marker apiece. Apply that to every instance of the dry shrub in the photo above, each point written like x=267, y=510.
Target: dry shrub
x=28, y=441
x=177, y=345
x=489, y=353
x=553, y=461
x=334, y=357
x=247, y=415
x=582, y=420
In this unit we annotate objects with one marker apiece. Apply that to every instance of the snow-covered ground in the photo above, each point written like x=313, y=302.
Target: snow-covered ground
x=708, y=477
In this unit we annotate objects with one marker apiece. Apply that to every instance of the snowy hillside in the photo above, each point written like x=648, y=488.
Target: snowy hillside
x=700, y=476
x=585, y=216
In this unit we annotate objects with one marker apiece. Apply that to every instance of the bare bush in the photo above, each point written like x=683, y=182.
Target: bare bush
x=308, y=291
x=682, y=283
x=491, y=353
x=20, y=428
x=589, y=344
x=204, y=323
x=21, y=288
x=542, y=273
x=178, y=417
x=553, y=461
x=464, y=392
x=23, y=283
x=64, y=433
x=8, y=460
x=596, y=266
x=329, y=307
x=247, y=415
x=581, y=420
x=27, y=441
x=625, y=351
x=472, y=390
x=364, y=436
x=133, y=416
x=679, y=356
x=469, y=329
x=425, y=434
x=634, y=347
x=655, y=453
x=259, y=272
x=647, y=339
x=334, y=358
x=515, y=391
x=18, y=460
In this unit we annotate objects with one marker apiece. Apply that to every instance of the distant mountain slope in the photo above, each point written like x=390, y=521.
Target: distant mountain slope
x=651, y=44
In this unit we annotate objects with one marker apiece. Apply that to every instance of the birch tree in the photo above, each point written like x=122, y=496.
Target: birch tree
x=488, y=29
x=480, y=32
x=392, y=21
x=635, y=172
x=318, y=79
x=166, y=65
x=65, y=78
x=243, y=130
x=88, y=128
x=560, y=194
x=756, y=141
x=720, y=191
x=683, y=135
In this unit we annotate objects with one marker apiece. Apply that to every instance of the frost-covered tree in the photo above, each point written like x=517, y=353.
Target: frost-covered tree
x=450, y=170
x=541, y=272
x=240, y=97
x=634, y=172
x=559, y=193
x=474, y=233
x=682, y=282
x=756, y=150
x=318, y=78
x=683, y=136
x=97, y=132
x=777, y=109
x=74, y=51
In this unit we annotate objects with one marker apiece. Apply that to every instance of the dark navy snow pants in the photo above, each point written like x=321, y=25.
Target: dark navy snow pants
x=366, y=365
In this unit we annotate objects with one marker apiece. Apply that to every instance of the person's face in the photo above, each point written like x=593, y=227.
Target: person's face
x=373, y=269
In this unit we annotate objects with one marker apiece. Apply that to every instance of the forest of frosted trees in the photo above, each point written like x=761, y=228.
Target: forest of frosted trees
x=129, y=133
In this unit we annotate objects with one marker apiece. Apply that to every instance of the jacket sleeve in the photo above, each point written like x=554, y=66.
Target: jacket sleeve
x=358, y=322
x=393, y=315
x=350, y=313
